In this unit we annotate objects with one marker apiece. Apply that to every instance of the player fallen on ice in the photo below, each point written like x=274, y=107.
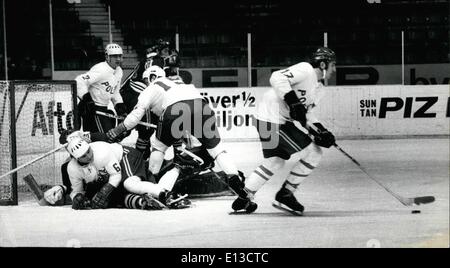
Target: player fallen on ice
x=295, y=92
x=182, y=110
x=59, y=195
x=98, y=87
x=126, y=174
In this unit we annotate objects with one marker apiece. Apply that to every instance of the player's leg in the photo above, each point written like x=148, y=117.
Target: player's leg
x=293, y=140
x=162, y=140
x=304, y=166
x=133, y=170
x=210, y=139
x=136, y=183
x=144, y=134
x=262, y=174
x=275, y=151
x=274, y=160
x=141, y=192
x=135, y=201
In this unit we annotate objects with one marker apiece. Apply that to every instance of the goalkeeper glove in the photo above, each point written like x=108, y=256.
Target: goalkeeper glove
x=101, y=199
x=80, y=202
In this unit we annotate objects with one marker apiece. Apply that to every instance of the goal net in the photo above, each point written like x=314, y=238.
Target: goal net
x=32, y=116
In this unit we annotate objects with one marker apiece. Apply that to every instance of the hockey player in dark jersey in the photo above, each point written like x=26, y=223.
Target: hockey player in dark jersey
x=160, y=55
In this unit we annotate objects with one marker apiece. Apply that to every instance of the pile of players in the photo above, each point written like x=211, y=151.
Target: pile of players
x=102, y=173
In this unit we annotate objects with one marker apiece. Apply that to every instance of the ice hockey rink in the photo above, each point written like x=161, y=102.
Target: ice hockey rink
x=343, y=208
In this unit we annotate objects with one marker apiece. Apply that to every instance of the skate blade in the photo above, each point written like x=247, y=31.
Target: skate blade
x=283, y=207
x=179, y=206
x=239, y=212
x=182, y=205
x=154, y=204
x=176, y=200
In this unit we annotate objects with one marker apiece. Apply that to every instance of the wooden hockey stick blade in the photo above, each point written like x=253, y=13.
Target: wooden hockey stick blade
x=423, y=200
x=35, y=189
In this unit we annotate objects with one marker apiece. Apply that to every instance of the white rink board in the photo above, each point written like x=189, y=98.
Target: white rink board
x=408, y=110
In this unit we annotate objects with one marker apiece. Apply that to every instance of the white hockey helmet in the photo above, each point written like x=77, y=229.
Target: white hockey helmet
x=77, y=147
x=113, y=49
x=153, y=70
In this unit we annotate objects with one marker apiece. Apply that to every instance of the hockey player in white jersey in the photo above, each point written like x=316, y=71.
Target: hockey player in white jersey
x=295, y=92
x=98, y=87
x=182, y=110
x=126, y=174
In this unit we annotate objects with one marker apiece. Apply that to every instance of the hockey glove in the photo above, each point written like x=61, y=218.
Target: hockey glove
x=186, y=164
x=114, y=134
x=297, y=110
x=54, y=194
x=81, y=202
x=121, y=109
x=101, y=199
x=323, y=137
x=86, y=106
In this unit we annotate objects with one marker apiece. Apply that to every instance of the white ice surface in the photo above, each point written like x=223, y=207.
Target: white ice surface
x=343, y=208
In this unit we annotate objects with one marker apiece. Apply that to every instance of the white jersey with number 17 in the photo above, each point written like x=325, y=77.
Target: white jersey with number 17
x=301, y=78
x=162, y=93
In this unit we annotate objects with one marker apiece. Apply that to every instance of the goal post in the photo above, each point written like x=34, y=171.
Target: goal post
x=32, y=116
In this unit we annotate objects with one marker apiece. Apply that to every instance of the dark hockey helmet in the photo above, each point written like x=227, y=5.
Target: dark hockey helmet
x=162, y=44
x=156, y=48
x=322, y=54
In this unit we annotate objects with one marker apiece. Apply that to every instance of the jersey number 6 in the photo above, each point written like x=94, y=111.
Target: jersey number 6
x=116, y=167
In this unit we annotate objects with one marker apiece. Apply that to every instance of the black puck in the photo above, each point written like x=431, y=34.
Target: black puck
x=415, y=211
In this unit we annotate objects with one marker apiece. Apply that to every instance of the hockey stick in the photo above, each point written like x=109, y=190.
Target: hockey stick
x=407, y=201
x=130, y=75
x=194, y=156
x=122, y=118
x=34, y=160
x=35, y=189
x=201, y=162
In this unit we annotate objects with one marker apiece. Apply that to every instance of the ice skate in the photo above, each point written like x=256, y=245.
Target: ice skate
x=285, y=200
x=175, y=201
x=150, y=203
x=246, y=204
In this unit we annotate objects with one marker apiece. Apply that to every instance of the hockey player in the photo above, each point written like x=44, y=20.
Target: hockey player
x=295, y=91
x=99, y=86
x=182, y=109
x=133, y=86
x=59, y=194
x=126, y=173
